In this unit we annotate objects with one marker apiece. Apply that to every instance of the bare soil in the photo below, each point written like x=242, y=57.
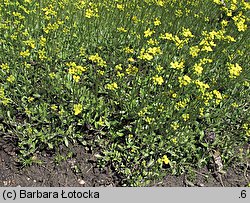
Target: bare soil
x=81, y=170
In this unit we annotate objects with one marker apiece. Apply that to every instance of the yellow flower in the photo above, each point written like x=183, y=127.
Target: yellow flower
x=205, y=60
x=179, y=42
x=224, y=23
x=177, y=65
x=2, y=93
x=235, y=105
x=97, y=59
x=194, y=50
x=239, y=21
x=159, y=68
x=157, y=22
x=201, y=110
x=234, y=70
x=175, y=125
x=198, y=69
x=131, y=70
x=202, y=86
x=131, y=59
x=42, y=54
x=167, y=36
x=152, y=42
x=148, y=33
x=219, y=2
x=30, y=99
x=245, y=126
x=217, y=94
x=149, y=120
x=174, y=140
x=181, y=104
x=154, y=50
x=76, y=78
x=174, y=95
x=135, y=19
x=42, y=41
x=101, y=72
x=11, y=79
x=53, y=107
x=128, y=50
x=187, y=33
x=158, y=80
x=120, y=7
x=185, y=80
x=145, y=55
x=121, y=29
x=30, y=43
x=25, y=53
x=160, y=2
x=118, y=67
x=52, y=75
x=207, y=48
x=89, y=13
x=111, y=86
x=4, y=66
x=27, y=111
x=77, y=108
x=185, y=116
x=165, y=160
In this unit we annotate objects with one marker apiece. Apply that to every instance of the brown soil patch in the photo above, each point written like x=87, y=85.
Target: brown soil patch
x=80, y=170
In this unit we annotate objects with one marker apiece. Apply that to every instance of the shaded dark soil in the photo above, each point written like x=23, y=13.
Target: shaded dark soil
x=80, y=170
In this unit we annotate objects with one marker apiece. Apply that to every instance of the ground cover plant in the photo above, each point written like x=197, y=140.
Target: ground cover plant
x=152, y=86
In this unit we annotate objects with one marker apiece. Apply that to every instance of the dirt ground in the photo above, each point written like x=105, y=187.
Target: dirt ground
x=80, y=170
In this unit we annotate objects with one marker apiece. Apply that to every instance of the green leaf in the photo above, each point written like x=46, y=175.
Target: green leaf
x=66, y=141
x=50, y=145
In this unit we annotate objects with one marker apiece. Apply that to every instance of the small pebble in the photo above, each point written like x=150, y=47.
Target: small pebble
x=201, y=185
x=81, y=182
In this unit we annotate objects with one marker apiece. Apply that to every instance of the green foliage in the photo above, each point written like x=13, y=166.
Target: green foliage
x=144, y=82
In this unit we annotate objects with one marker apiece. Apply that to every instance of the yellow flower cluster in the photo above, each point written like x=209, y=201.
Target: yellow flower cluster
x=164, y=160
x=92, y=11
x=234, y=70
x=194, y=50
x=148, y=32
x=122, y=29
x=25, y=53
x=77, y=108
x=179, y=65
x=143, y=112
x=185, y=116
x=246, y=128
x=158, y=80
x=98, y=60
x=184, y=80
x=182, y=104
x=240, y=22
x=3, y=99
x=111, y=86
x=131, y=70
x=175, y=125
x=149, y=54
x=186, y=34
x=75, y=70
x=201, y=86
x=5, y=67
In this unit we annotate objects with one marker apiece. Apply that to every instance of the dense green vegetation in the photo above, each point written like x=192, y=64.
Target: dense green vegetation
x=150, y=85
